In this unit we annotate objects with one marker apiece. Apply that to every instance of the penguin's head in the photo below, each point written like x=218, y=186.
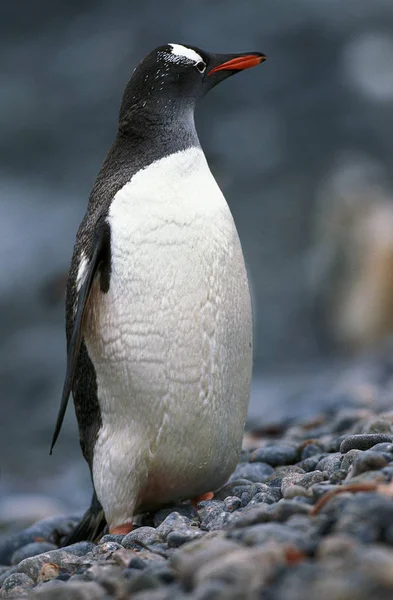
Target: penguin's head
x=175, y=75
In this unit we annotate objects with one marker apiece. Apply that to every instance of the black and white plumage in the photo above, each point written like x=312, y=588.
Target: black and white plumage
x=159, y=324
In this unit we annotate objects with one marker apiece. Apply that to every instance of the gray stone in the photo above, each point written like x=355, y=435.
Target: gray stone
x=179, y=537
x=73, y=590
x=191, y=557
x=330, y=463
x=58, y=558
x=174, y=521
x=48, y=530
x=276, y=454
x=368, y=461
x=232, y=503
x=145, y=535
x=31, y=550
x=257, y=471
x=364, y=441
x=16, y=586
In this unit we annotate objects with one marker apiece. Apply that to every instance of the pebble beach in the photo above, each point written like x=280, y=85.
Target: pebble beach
x=308, y=513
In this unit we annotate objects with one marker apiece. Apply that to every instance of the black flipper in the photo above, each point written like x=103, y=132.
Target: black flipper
x=99, y=253
x=91, y=527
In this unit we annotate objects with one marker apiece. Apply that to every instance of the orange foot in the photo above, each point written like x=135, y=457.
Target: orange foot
x=207, y=496
x=121, y=529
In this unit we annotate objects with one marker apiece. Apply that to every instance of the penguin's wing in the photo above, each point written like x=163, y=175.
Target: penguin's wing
x=99, y=254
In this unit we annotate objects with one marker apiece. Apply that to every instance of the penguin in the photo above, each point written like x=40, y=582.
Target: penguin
x=158, y=309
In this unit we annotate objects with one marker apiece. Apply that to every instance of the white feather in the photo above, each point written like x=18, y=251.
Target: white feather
x=184, y=52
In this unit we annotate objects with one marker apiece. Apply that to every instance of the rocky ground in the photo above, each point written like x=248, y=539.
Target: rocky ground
x=308, y=513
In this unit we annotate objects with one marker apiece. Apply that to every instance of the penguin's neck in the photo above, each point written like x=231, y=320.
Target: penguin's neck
x=166, y=127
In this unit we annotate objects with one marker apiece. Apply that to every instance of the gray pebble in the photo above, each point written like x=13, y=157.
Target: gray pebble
x=174, y=521
x=310, y=479
x=110, y=537
x=258, y=535
x=349, y=458
x=232, y=503
x=330, y=463
x=276, y=455
x=16, y=586
x=80, y=548
x=31, y=550
x=364, y=441
x=311, y=450
x=368, y=461
x=257, y=471
x=213, y=514
x=180, y=537
x=187, y=510
x=310, y=464
x=58, y=558
x=48, y=530
x=74, y=590
x=146, y=535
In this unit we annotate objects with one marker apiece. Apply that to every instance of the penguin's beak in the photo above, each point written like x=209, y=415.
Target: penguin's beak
x=239, y=62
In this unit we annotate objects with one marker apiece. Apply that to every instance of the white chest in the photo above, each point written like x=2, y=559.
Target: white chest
x=171, y=340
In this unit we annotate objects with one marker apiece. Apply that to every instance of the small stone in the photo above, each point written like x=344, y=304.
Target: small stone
x=75, y=590
x=143, y=581
x=330, y=463
x=336, y=545
x=259, y=535
x=292, y=491
x=80, y=548
x=174, y=521
x=257, y=471
x=377, y=426
x=364, y=441
x=232, y=503
x=276, y=455
x=310, y=464
x=48, y=571
x=286, y=508
x=213, y=514
x=290, y=480
x=110, y=537
x=252, y=516
x=31, y=550
x=310, y=450
x=145, y=535
x=32, y=566
x=50, y=530
x=310, y=479
x=186, y=510
x=385, y=447
x=368, y=461
x=179, y=537
x=16, y=586
x=348, y=459
x=187, y=561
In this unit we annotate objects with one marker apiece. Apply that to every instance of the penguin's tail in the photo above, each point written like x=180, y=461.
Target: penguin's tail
x=91, y=527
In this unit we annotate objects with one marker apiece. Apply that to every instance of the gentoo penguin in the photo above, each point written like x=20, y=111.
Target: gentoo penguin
x=159, y=323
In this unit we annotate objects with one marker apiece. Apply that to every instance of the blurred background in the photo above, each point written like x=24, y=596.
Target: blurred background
x=302, y=148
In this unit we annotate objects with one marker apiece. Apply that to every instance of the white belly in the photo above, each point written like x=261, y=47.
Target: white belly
x=170, y=341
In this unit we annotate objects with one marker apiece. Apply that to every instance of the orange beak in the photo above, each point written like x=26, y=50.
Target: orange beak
x=239, y=63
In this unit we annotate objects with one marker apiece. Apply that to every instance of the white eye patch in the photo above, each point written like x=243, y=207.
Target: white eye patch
x=185, y=53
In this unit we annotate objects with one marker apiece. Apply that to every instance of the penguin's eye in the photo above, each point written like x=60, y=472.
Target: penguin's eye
x=201, y=66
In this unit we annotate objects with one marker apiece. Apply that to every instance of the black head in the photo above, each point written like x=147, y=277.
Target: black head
x=171, y=79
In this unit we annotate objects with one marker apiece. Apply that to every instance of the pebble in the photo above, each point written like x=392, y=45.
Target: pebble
x=368, y=461
x=364, y=441
x=31, y=550
x=276, y=455
x=16, y=586
x=257, y=471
